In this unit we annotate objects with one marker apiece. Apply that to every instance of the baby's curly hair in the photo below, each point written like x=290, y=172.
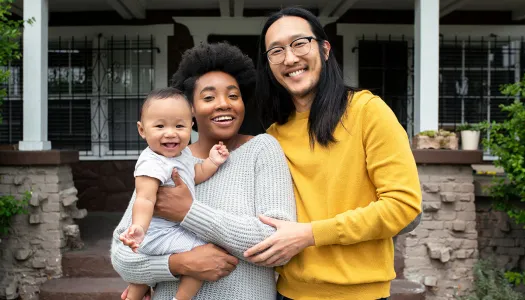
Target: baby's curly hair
x=205, y=58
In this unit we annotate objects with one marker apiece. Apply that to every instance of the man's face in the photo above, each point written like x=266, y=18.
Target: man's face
x=297, y=74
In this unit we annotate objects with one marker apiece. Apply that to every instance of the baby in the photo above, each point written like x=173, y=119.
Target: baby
x=165, y=124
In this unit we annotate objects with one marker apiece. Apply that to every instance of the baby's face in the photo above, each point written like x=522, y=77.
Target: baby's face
x=166, y=125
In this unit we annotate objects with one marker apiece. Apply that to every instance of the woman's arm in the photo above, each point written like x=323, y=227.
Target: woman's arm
x=273, y=197
x=206, y=262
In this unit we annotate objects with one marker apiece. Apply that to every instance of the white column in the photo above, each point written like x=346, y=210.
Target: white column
x=35, y=77
x=350, y=59
x=426, y=65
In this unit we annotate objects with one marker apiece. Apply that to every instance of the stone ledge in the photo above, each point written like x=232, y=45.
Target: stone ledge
x=448, y=157
x=48, y=157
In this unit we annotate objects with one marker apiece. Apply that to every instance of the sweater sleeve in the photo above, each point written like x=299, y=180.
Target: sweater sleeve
x=392, y=169
x=136, y=267
x=274, y=198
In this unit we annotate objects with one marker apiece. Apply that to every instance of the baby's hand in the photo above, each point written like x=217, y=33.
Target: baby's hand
x=219, y=154
x=133, y=236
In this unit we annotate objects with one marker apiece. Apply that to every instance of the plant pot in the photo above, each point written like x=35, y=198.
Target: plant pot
x=437, y=142
x=469, y=140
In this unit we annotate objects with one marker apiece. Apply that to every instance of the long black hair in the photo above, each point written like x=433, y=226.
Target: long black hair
x=331, y=97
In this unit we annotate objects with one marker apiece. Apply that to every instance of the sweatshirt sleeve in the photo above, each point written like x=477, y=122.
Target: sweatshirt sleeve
x=392, y=169
x=274, y=198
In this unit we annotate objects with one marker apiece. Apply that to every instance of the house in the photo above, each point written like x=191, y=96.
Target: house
x=88, y=64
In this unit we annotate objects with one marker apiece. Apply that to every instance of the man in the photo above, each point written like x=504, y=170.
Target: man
x=355, y=178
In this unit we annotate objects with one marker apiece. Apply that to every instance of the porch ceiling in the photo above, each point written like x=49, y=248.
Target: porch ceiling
x=132, y=6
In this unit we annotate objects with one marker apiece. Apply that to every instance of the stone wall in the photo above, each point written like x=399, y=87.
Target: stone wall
x=442, y=251
x=31, y=253
x=499, y=237
x=104, y=185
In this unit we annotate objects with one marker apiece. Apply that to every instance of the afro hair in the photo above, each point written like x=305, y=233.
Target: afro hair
x=206, y=58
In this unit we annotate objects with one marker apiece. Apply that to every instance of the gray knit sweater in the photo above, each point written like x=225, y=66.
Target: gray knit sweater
x=254, y=180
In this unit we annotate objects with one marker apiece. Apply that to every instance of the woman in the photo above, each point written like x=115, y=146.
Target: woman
x=254, y=181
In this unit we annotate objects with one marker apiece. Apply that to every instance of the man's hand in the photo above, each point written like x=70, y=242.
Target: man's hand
x=173, y=203
x=289, y=239
x=207, y=262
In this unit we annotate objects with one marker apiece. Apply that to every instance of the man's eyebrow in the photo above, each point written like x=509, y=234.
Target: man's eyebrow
x=293, y=37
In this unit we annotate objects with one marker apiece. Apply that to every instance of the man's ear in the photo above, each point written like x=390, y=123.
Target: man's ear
x=326, y=48
x=140, y=128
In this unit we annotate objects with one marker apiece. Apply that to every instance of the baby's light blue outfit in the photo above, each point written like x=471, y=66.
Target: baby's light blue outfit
x=164, y=236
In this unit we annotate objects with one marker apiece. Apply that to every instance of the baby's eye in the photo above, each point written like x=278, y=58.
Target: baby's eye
x=159, y=126
x=180, y=126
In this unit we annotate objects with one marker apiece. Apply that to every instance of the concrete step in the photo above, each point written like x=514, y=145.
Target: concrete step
x=402, y=289
x=93, y=261
x=82, y=289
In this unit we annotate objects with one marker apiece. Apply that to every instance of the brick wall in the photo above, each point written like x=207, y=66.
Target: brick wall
x=31, y=253
x=104, y=185
x=499, y=237
x=442, y=251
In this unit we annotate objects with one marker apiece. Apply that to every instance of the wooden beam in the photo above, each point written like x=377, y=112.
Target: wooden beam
x=224, y=6
x=343, y=7
x=329, y=8
x=452, y=6
x=238, y=6
x=518, y=14
x=129, y=9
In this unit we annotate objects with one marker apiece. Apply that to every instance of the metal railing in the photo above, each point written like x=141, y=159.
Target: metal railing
x=95, y=90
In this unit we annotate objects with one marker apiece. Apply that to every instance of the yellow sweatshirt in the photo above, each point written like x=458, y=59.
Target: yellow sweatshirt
x=358, y=194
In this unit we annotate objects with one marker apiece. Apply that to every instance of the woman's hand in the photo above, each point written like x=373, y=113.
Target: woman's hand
x=173, y=203
x=289, y=239
x=207, y=263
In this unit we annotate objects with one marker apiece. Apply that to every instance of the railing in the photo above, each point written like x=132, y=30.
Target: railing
x=95, y=90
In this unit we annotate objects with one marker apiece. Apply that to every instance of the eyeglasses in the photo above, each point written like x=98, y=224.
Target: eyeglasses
x=299, y=47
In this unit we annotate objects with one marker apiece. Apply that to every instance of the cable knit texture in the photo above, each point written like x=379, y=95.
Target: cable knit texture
x=254, y=180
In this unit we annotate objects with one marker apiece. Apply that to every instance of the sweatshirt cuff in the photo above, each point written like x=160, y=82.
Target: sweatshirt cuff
x=160, y=268
x=325, y=232
x=198, y=219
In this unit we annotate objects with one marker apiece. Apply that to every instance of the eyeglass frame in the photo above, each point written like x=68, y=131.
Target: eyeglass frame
x=309, y=38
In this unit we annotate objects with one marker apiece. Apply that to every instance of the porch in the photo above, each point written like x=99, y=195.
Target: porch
x=436, y=63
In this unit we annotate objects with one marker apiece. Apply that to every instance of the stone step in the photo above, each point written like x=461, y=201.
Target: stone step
x=94, y=261
x=82, y=289
x=402, y=289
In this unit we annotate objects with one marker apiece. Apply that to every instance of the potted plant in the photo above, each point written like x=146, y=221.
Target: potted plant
x=469, y=136
x=432, y=139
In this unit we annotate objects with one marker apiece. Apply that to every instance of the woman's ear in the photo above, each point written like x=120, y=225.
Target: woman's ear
x=326, y=48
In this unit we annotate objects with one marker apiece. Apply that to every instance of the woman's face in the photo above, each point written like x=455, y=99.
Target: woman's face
x=218, y=105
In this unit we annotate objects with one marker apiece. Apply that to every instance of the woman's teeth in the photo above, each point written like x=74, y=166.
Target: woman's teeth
x=223, y=118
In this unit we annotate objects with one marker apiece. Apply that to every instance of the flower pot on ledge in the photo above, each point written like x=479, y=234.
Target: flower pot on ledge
x=470, y=139
x=436, y=140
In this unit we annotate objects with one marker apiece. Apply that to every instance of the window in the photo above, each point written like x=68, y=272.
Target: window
x=471, y=73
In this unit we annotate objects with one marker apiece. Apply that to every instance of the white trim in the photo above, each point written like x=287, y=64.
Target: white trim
x=35, y=58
